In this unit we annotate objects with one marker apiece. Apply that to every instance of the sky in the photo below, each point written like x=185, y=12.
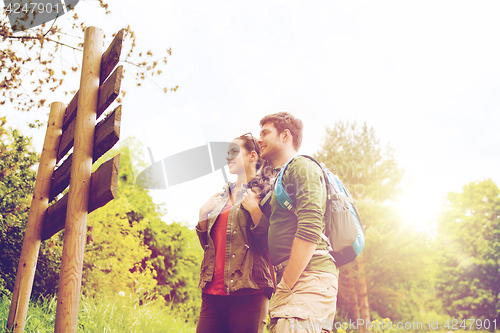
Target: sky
x=424, y=75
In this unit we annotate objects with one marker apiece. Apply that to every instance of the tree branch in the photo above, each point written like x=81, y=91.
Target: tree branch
x=47, y=39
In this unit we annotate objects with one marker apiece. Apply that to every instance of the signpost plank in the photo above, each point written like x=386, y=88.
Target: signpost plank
x=75, y=127
x=109, y=60
x=108, y=92
x=111, y=57
x=70, y=111
x=103, y=188
x=107, y=134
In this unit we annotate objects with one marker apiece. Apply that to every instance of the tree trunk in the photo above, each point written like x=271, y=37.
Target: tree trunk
x=362, y=288
x=354, y=310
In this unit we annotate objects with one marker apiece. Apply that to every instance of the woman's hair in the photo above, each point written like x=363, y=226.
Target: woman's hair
x=263, y=167
x=249, y=144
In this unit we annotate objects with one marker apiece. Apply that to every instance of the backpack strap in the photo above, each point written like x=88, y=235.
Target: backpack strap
x=283, y=198
x=337, y=196
x=287, y=203
x=329, y=248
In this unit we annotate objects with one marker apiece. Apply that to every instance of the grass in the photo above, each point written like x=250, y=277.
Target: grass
x=118, y=314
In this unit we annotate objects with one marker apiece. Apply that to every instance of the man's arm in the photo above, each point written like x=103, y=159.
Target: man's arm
x=310, y=201
x=300, y=255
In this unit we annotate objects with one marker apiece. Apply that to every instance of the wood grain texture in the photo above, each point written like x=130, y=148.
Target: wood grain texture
x=78, y=196
x=103, y=188
x=67, y=141
x=32, y=236
x=108, y=92
x=70, y=111
x=109, y=60
x=107, y=134
x=111, y=57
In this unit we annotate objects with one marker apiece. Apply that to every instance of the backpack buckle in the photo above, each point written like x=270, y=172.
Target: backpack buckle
x=280, y=266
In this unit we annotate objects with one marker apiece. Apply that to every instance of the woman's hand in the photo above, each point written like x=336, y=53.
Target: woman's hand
x=250, y=200
x=207, y=207
x=251, y=203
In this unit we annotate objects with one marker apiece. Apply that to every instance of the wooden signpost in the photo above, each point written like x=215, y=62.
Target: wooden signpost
x=74, y=127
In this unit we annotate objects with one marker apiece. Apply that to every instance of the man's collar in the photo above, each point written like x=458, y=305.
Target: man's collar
x=286, y=159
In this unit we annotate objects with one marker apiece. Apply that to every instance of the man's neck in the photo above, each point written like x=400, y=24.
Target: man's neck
x=283, y=158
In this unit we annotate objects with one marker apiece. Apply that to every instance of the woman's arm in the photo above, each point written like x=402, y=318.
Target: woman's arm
x=206, y=208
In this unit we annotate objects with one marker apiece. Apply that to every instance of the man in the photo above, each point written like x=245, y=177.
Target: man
x=306, y=295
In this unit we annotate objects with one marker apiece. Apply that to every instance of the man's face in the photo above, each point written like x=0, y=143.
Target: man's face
x=269, y=142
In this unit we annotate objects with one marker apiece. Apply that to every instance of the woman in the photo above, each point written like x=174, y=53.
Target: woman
x=235, y=277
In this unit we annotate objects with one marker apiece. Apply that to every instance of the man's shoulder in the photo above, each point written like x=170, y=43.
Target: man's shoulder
x=302, y=170
x=302, y=161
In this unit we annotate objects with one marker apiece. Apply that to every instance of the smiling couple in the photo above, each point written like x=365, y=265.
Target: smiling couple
x=248, y=237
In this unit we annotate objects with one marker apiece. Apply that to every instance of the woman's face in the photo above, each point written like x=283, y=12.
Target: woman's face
x=237, y=157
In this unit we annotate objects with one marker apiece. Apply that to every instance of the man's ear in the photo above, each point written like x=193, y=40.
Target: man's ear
x=287, y=135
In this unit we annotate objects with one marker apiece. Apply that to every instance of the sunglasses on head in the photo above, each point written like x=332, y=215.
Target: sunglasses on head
x=253, y=140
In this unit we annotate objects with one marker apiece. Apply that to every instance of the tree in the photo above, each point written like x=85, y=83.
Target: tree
x=116, y=251
x=358, y=159
x=176, y=257
x=397, y=263
x=132, y=250
x=469, y=229
x=17, y=179
x=39, y=59
x=375, y=283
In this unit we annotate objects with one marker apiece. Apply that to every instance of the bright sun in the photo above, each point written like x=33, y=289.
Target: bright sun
x=419, y=207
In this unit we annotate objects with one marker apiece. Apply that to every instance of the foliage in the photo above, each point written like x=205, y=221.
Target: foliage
x=394, y=263
x=130, y=250
x=116, y=253
x=469, y=228
x=176, y=257
x=396, y=266
x=104, y=314
x=41, y=58
x=134, y=251
x=126, y=314
x=17, y=179
x=392, y=266
x=357, y=158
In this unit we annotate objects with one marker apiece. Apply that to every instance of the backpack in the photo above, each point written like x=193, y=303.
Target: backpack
x=343, y=227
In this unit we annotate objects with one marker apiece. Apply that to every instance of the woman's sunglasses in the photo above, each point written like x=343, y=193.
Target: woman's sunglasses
x=253, y=140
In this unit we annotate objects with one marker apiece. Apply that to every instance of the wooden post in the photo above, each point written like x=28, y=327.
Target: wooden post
x=78, y=197
x=32, y=238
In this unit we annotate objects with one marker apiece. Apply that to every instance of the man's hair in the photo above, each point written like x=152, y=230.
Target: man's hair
x=283, y=121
